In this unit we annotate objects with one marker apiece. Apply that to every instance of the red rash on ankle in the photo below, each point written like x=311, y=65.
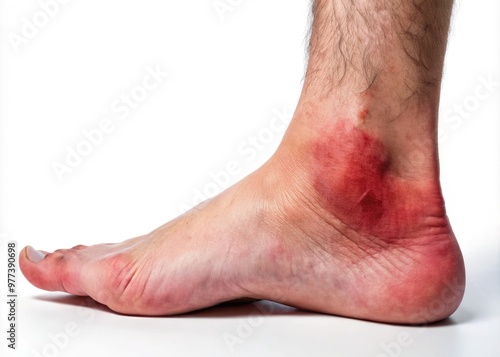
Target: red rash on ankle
x=353, y=178
x=362, y=115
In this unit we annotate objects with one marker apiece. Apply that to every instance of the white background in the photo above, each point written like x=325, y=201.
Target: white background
x=228, y=77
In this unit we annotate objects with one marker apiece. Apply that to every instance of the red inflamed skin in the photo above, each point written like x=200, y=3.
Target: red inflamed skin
x=358, y=183
x=397, y=221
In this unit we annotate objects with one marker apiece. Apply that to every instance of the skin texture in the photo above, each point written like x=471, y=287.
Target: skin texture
x=346, y=218
x=360, y=171
x=363, y=114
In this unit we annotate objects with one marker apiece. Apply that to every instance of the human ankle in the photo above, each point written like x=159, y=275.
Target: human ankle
x=406, y=128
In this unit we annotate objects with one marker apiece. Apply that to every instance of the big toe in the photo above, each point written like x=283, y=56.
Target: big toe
x=56, y=271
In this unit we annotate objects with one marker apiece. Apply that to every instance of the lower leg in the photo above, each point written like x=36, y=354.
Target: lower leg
x=378, y=64
x=365, y=133
x=373, y=80
x=346, y=218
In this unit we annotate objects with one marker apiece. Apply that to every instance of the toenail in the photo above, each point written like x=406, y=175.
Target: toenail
x=34, y=255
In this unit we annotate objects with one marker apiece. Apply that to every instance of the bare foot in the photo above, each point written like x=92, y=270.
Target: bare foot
x=346, y=218
x=330, y=225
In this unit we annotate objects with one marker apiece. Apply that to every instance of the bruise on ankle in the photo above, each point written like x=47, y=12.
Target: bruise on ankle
x=355, y=181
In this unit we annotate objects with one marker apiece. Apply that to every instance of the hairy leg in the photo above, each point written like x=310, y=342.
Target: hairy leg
x=346, y=218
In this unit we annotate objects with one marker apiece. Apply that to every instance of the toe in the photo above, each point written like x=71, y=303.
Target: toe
x=58, y=271
x=79, y=247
